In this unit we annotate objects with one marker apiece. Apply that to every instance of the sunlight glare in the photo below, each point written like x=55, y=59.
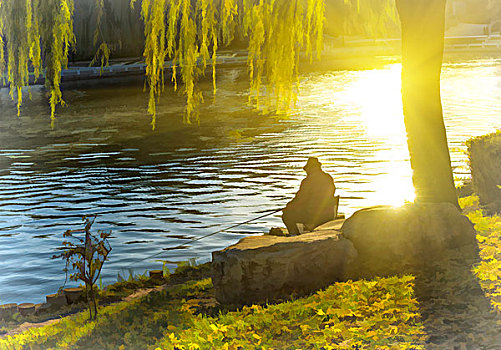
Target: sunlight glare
x=394, y=185
x=360, y=117
x=376, y=95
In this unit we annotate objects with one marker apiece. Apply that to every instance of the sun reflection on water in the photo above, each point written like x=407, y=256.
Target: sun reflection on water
x=159, y=188
x=375, y=94
x=371, y=109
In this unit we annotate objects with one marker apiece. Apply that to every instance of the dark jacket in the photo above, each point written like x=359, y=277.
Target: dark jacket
x=314, y=202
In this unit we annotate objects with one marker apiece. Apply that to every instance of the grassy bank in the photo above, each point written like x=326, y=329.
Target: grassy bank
x=488, y=228
x=374, y=313
x=383, y=313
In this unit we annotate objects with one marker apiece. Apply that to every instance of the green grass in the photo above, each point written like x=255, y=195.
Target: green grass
x=379, y=314
x=363, y=314
x=136, y=324
x=488, y=228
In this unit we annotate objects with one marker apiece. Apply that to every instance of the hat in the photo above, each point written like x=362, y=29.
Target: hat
x=312, y=163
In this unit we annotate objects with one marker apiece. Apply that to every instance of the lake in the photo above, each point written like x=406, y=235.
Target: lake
x=159, y=189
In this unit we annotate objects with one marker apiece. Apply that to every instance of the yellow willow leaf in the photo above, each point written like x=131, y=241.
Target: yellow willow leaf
x=184, y=31
x=229, y=12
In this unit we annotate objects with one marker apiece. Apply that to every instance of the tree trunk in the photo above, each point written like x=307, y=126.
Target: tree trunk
x=94, y=302
x=422, y=51
x=88, y=300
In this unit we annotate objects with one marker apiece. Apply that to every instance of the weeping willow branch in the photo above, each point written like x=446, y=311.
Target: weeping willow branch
x=103, y=52
x=278, y=32
x=370, y=17
x=187, y=31
x=2, y=44
x=59, y=46
x=19, y=23
x=30, y=29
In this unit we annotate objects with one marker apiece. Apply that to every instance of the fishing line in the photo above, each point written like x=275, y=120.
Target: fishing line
x=269, y=212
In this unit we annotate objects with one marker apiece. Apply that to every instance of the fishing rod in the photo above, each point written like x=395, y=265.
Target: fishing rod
x=268, y=213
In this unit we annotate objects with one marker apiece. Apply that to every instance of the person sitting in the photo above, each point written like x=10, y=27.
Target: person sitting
x=314, y=203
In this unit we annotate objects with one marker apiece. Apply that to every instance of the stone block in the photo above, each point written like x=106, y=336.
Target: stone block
x=73, y=295
x=156, y=274
x=264, y=268
x=412, y=238
x=56, y=300
x=26, y=309
x=7, y=310
x=485, y=164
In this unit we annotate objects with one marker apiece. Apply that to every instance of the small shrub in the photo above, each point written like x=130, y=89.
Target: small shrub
x=86, y=257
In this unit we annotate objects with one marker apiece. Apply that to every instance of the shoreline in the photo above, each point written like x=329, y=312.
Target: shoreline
x=358, y=54
x=462, y=191
x=180, y=313
x=120, y=291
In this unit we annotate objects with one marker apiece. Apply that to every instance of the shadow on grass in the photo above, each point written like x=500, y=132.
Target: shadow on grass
x=455, y=312
x=148, y=319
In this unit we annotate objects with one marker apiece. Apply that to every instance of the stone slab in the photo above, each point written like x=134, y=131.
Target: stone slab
x=411, y=238
x=265, y=268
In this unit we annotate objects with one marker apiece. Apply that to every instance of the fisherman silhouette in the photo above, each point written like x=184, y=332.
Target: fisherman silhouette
x=314, y=203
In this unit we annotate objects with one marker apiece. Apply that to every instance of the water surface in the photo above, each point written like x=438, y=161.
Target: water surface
x=159, y=189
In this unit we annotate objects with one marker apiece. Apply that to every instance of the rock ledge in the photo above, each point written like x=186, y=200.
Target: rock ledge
x=262, y=268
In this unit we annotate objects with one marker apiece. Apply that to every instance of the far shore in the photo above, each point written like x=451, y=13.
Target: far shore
x=338, y=54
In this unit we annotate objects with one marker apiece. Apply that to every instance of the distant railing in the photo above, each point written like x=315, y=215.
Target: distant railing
x=488, y=40
x=121, y=69
x=124, y=68
x=473, y=42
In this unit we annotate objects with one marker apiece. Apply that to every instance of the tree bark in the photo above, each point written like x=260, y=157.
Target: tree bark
x=423, y=24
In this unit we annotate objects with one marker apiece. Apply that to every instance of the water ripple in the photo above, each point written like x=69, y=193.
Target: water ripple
x=156, y=190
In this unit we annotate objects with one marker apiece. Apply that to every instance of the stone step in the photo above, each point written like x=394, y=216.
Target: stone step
x=261, y=268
